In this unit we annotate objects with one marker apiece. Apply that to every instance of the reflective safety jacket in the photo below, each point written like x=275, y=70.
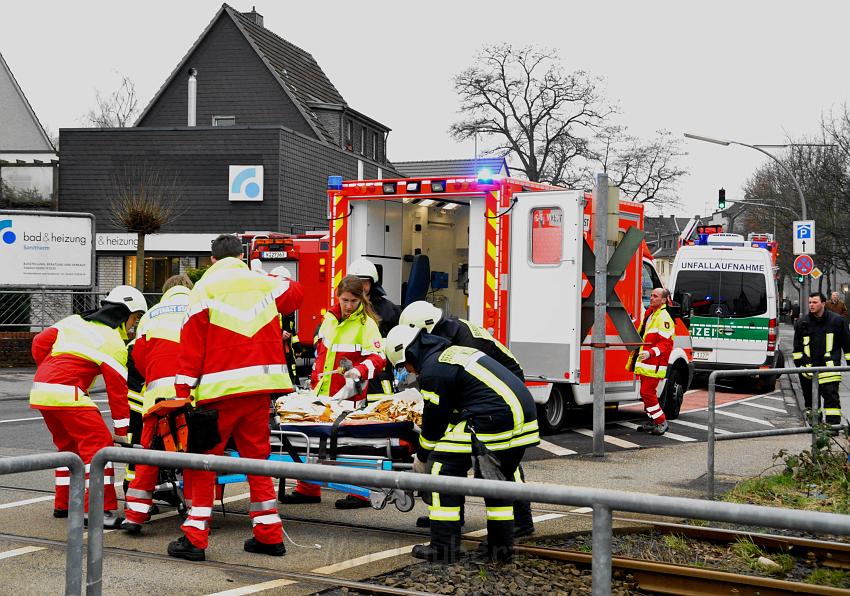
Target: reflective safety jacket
x=818, y=341
x=157, y=347
x=464, y=389
x=353, y=338
x=70, y=355
x=230, y=342
x=658, y=331
x=461, y=332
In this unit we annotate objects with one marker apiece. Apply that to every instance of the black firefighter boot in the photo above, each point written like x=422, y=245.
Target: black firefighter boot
x=445, y=543
x=523, y=521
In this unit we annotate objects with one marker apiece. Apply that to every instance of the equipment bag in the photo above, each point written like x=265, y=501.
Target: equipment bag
x=180, y=427
x=203, y=430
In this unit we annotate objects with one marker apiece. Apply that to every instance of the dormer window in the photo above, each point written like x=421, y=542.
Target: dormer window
x=362, y=140
x=349, y=135
x=224, y=121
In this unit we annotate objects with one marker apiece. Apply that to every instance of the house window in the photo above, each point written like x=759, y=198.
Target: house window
x=224, y=120
x=362, y=140
x=349, y=135
x=375, y=146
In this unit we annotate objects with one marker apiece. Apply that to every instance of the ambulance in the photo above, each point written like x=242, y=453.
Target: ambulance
x=731, y=284
x=516, y=258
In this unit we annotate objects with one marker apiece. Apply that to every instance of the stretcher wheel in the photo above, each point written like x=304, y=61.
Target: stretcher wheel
x=404, y=501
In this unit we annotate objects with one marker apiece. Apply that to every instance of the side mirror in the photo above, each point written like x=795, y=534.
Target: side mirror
x=687, y=301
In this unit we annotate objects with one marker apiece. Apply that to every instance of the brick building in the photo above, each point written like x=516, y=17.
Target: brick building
x=268, y=129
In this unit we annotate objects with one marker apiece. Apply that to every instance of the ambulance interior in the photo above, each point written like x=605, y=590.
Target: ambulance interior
x=412, y=226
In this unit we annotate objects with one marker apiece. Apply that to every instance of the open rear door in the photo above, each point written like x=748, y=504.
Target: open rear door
x=544, y=317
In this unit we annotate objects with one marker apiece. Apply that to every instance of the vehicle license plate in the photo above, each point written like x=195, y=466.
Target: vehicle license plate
x=273, y=254
x=701, y=354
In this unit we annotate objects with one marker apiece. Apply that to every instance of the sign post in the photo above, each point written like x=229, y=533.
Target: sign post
x=804, y=237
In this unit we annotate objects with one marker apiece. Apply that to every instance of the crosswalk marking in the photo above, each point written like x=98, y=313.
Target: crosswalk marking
x=555, y=449
x=668, y=434
x=20, y=420
x=25, y=502
x=764, y=407
x=253, y=589
x=608, y=439
x=20, y=551
x=718, y=431
x=774, y=397
x=742, y=417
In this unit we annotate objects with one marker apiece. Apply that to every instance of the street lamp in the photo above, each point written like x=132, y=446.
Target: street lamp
x=784, y=169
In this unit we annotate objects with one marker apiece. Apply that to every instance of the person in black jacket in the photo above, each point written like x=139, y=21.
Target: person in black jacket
x=381, y=386
x=461, y=332
x=819, y=338
x=469, y=398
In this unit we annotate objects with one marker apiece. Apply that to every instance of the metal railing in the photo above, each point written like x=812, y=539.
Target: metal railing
x=712, y=399
x=39, y=308
x=76, y=499
x=603, y=501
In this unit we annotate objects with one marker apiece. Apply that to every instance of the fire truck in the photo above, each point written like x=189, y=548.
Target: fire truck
x=516, y=258
x=307, y=258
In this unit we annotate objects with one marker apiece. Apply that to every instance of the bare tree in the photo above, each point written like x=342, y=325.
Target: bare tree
x=538, y=114
x=645, y=171
x=116, y=110
x=142, y=199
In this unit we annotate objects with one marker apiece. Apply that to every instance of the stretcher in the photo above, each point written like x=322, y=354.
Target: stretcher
x=357, y=444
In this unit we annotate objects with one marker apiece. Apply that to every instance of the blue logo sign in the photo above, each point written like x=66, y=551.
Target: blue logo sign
x=804, y=231
x=243, y=183
x=8, y=236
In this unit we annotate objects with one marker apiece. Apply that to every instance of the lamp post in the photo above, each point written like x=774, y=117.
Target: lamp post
x=803, y=209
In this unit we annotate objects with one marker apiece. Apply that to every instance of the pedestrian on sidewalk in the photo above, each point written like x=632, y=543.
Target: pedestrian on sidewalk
x=819, y=338
x=650, y=362
x=837, y=306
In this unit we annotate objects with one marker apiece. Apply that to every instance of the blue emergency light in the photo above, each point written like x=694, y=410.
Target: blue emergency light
x=334, y=182
x=485, y=176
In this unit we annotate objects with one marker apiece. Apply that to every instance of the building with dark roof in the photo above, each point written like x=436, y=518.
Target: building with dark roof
x=247, y=125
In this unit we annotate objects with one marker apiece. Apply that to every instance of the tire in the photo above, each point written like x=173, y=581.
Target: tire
x=552, y=415
x=766, y=384
x=673, y=394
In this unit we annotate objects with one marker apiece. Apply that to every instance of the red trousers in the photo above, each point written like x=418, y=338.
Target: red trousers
x=81, y=431
x=246, y=419
x=649, y=395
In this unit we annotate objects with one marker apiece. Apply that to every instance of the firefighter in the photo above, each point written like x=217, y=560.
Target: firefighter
x=349, y=331
x=460, y=332
x=380, y=387
x=291, y=344
x=155, y=353
x=650, y=362
x=468, y=397
x=231, y=354
x=69, y=356
x=819, y=338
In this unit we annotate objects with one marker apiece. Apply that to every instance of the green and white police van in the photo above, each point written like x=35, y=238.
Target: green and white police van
x=733, y=297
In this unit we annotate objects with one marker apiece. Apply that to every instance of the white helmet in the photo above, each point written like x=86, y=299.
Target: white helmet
x=129, y=297
x=281, y=271
x=397, y=342
x=421, y=314
x=257, y=266
x=363, y=268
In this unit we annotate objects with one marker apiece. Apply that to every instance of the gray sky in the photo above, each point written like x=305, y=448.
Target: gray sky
x=753, y=71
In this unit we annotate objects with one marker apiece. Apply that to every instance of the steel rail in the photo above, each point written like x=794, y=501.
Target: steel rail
x=76, y=498
x=602, y=501
x=665, y=578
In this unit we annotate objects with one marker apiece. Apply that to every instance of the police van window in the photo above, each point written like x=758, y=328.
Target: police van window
x=547, y=236
x=649, y=281
x=724, y=294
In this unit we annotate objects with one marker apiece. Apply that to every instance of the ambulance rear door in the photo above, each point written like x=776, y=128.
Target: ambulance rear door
x=544, y=316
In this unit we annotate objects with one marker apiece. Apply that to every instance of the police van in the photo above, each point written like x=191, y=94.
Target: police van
x=733, y=295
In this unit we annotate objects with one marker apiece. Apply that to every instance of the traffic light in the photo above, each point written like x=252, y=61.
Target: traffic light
x=721, y=199
x=800, y=278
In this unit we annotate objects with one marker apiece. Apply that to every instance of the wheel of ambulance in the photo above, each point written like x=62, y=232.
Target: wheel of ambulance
x=766, y=384
x=552, y=415
x=673, y=394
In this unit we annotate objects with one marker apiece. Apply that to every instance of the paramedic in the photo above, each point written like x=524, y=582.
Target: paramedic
x=231, y=354
x=468, y=397
x=461, y=332
x=819, y=338
x=387, y=314
x=155, y=353
x=69, y=356
x=348, y=331
x=650, y=362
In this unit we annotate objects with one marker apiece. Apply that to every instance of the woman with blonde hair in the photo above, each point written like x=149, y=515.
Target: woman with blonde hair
x=349, y=331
